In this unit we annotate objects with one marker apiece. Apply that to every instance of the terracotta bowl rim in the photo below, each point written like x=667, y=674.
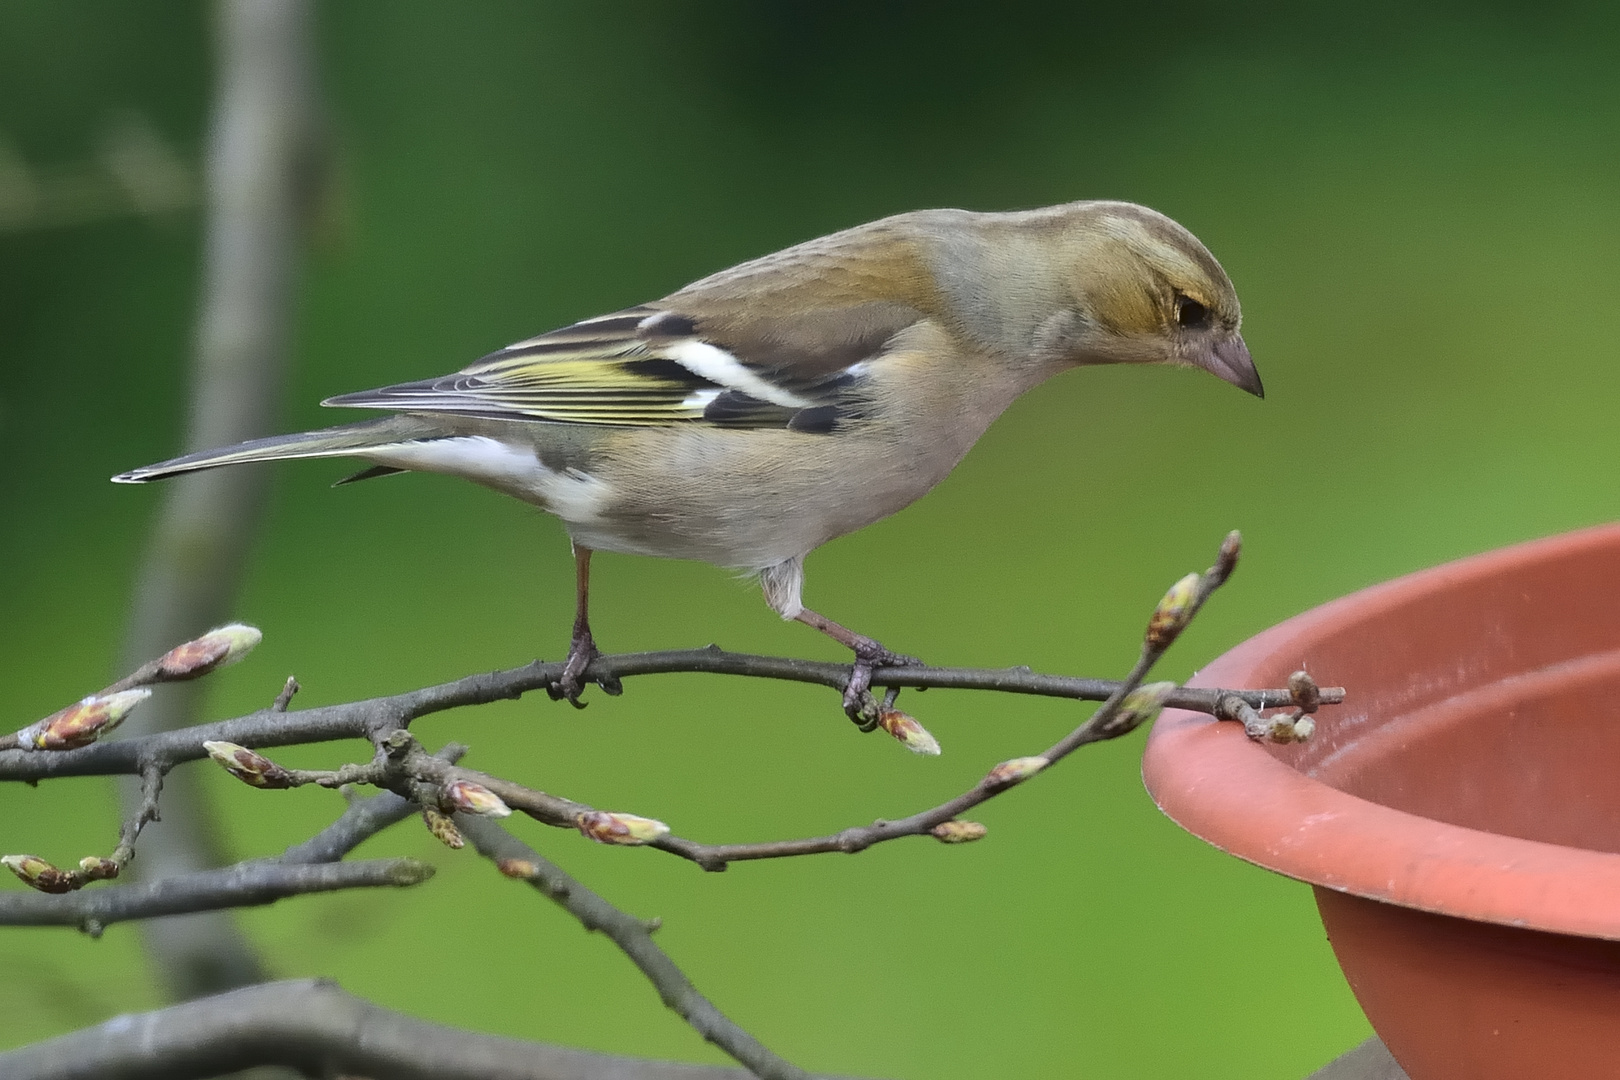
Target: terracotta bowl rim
x=1210, y=779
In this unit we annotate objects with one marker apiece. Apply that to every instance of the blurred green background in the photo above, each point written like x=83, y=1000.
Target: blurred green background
x=1419, y=204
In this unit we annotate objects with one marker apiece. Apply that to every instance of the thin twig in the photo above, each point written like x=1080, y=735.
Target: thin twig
x=285, y=696
x=245, y=884
x=634, y=938
x=363, y=819
x=402, y=767
x=437, y=785
x=146, y=811
x=211, y=889
x=1105, y=723
x=369, y=718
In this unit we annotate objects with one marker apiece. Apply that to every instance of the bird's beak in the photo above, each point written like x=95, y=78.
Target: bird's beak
x=1228, y=359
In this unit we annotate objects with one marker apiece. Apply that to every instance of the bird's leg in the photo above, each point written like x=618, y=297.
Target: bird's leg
x=859, y=704
x=783, y=585
x=581, y=647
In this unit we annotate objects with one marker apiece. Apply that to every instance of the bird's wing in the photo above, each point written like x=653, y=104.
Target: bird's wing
x=779, y=341
x=656, y=365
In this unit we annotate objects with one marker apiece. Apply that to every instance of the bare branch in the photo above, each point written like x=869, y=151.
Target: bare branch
x=246, y=884
x=402, y=767
x=436, y=785
x=399, y=764
x=371, y=718
x=214, y=889
x=145, y=811
x=634, y=937
x=1115, y=717
x=363, y=819
x=314, y=1026
x=285, y=696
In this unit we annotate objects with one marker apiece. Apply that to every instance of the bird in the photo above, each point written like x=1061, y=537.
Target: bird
x=752, y=416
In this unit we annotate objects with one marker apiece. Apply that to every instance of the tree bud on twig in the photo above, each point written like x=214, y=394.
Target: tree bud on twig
x=1282, y=727
x=1307, y=695
x=442, y=828
x=628, y=829
x=96, y=868
x=1285, y=727
x=1226, y=561
x=518, y=869
x=961, y=832
x=82, y=723
x=1015, y=771
x=39, y=874
x=1141, y=706
x=215, y=649
x=471, y=798
x=249, y=766
x=1171, y=616
x=912, y=735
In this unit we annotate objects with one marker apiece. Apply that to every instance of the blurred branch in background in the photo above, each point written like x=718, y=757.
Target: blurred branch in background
x=262, y=162
x=135, y=172
x=314, y=1026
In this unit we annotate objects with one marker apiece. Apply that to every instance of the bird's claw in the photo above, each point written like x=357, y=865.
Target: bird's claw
x=859, y=703
x=571, y=683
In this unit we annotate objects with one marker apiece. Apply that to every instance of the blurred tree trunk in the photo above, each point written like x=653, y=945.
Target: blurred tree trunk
x=263, y=157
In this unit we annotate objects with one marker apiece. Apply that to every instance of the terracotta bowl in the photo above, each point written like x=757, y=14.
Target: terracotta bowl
x=1459, y=815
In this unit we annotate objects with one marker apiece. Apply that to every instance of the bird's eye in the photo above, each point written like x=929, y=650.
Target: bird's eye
x=1190, y=313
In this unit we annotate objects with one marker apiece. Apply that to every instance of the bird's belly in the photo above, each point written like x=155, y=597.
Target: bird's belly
x=737, y=498
x=746, y=499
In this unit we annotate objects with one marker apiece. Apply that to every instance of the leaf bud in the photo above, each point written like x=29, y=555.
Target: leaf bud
x=958, y=832
x=249, y=766
x=606, y=827
x=36, y=873
x=1141, y=706
x=1286, y=727
x=471, y=798
x=218, y=648
x=1307, y=695
x=518, y=869
x=96, y=868
x=912, y=735
x=1173, y=612
x=1015, y=771
x=81, y=723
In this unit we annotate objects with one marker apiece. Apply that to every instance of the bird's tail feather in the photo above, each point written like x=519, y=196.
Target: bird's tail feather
x=339, y=441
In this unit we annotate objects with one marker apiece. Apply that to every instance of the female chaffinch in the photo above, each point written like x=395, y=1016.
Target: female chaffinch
x=752, y=416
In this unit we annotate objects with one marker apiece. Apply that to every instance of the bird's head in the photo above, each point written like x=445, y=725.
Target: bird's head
x=1143, y=290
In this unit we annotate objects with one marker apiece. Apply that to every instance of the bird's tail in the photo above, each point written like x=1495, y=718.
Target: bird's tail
x=342, y=441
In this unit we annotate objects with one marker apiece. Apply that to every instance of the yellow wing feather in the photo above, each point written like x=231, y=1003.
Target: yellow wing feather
x=575, y=375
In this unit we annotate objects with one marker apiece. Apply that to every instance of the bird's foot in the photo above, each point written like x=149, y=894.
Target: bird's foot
x=859, y=704
x=571, y=683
